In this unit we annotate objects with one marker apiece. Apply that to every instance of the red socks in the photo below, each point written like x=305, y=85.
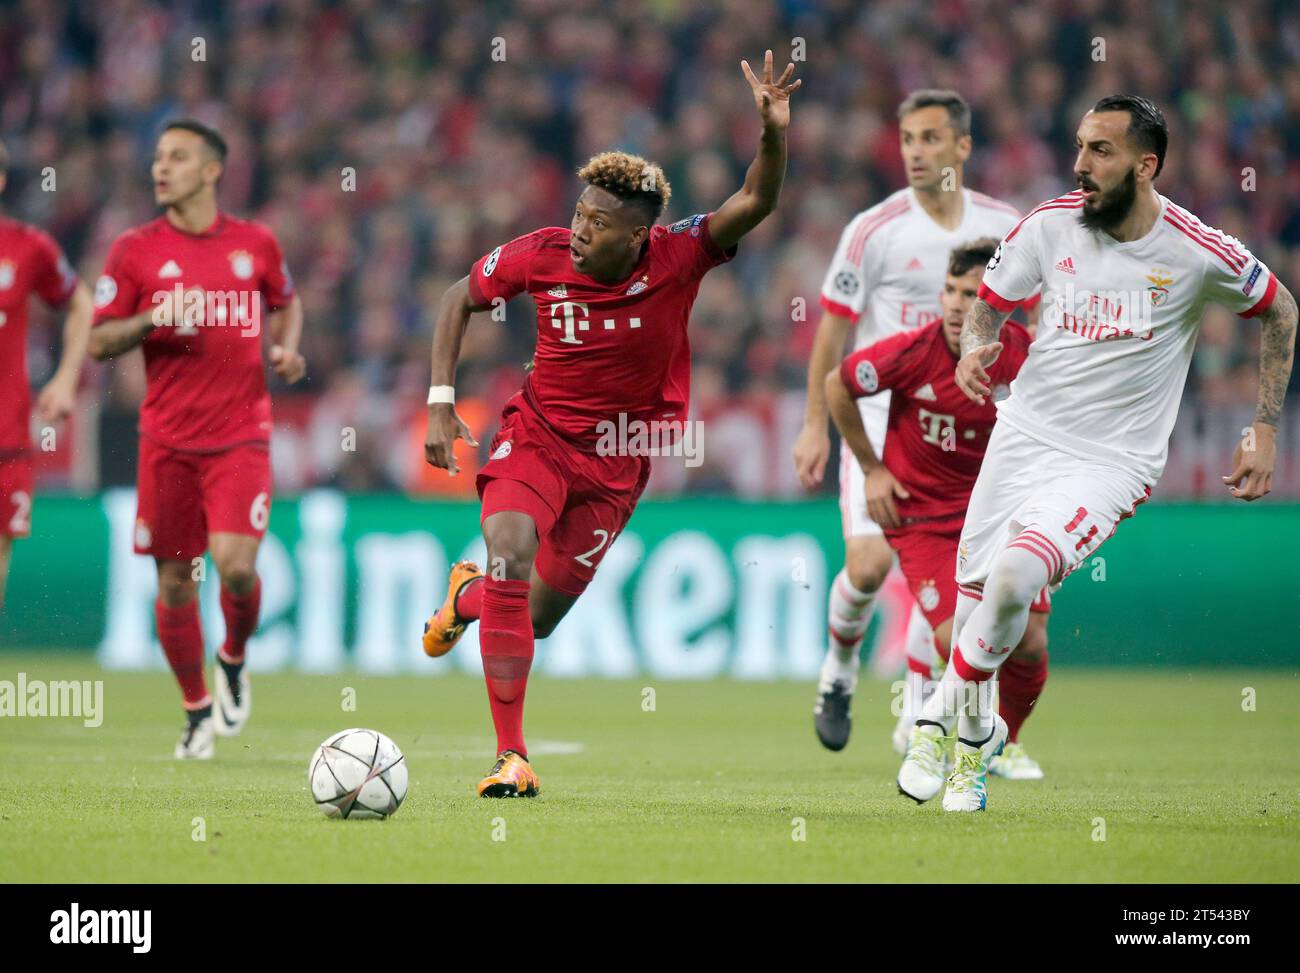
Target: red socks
x=469, y=602
x=1019, y=685
x=182, y=642
x=506, y=639
x=241, y=614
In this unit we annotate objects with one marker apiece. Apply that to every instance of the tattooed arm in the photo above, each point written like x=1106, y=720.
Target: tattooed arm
x=979, y=348
x=1253, y=459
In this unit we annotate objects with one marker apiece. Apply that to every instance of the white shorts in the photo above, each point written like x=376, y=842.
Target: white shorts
x=1056, y=505
x=853, y=482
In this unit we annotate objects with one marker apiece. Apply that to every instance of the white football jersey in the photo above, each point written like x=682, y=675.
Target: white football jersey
x=1106, y=369
x=889, y=268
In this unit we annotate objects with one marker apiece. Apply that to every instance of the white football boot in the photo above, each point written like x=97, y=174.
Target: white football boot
x=197, y=741
x=966, y=785
x=922, y=772
x=233, y=704
x=1015, y=764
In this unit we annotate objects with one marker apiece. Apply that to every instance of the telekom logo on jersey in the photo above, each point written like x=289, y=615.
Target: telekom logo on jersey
x=572, y=324
x=189, y=310
x=1100, y=315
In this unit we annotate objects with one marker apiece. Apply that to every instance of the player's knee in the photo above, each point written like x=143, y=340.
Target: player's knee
x=511, y=545
x=867, y=569
x=176, y=588
x=1007, y=592
x=542, y=627
x=238, y=578
x=1033, y=647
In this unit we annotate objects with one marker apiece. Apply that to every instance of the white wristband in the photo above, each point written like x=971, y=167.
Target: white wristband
x=442, y=394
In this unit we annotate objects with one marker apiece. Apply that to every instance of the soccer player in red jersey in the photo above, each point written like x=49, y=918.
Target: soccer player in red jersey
x=191, y=288
x=613, y=294
x=31, y=263
x=919, y=489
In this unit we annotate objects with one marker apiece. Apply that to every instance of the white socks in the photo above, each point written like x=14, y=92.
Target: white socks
x=849, y=613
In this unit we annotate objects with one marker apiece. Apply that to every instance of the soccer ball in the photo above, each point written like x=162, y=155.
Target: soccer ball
x=358, y=774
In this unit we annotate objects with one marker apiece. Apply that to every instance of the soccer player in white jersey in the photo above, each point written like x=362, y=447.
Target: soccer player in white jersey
x=1082, y=438
x=886, y=277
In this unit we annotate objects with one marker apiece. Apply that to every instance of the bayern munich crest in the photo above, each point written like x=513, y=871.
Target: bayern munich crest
x=929, y=596
x=241, y=264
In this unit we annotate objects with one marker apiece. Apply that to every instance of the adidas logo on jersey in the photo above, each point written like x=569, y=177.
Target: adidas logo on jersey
x=559, y=290
x=926, y=393
x=915, y=264
x=1065, y=266
x=170, y=269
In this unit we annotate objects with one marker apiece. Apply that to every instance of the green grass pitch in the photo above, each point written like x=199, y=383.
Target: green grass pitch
x=707, y=787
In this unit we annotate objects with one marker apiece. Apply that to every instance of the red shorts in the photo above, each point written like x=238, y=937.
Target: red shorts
x=928, y=560
x=17, y=476
x=580, y=501
x=182, y=497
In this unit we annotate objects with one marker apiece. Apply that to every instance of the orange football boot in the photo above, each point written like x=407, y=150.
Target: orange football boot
x=512, y=776
x=444, y=628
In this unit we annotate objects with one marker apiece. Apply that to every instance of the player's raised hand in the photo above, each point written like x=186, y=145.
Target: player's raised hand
x=772, y=97
x=972, y=371
x=1252, y=463
x=812, y=450
x=289, y=365
x=445, y=427
x=881, y=490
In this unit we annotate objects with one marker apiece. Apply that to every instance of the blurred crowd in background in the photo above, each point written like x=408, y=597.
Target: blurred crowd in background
x=390, y=144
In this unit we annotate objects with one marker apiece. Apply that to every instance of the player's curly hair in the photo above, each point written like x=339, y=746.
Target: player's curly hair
x=630, y=178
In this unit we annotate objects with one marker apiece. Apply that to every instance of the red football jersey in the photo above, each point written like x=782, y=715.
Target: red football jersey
x=206, y=382
x=605, y=349
x=30, y=263
x=936, y=437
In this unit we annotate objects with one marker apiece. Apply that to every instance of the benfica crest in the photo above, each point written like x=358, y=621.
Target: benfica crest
x=241, y=264
x=1159, y=289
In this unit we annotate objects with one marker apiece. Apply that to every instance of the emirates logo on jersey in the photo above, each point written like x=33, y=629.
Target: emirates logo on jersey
x=7, y=274
x=241, y=264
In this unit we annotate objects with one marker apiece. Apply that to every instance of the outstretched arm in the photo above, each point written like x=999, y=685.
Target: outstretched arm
x=1253, y=459
x=757, y=197
x=979, y=348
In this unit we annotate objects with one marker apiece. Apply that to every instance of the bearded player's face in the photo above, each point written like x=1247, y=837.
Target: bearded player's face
x=1106, y=169
x=605, y=232
x=931, y=148
x=182, y=167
